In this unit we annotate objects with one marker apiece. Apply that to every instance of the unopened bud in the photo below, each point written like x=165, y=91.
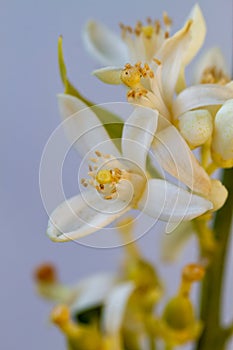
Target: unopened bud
x=196, y=126
x=60, y=315
x=45, y=273
x=193, y=273
x=179, y=313
x=222, y=144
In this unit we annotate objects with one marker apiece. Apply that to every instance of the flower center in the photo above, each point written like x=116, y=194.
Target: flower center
x=148, y=31
x=212, y=75
x=131, y=75
x=104, y=177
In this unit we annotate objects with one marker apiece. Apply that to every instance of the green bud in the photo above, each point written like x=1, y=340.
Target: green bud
x=179, y=313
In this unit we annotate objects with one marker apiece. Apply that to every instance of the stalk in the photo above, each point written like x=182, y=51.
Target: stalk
x=214, y=335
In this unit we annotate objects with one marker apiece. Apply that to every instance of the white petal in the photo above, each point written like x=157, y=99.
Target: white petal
x=173, y=154
x=218, y=194
x=83, y=214
x=171, y=56
x=93, y=291
x=211, y=58
x=105, y=45
x=165, y=201
x=200, y=96
x=83, y=127
x=115, y=306
x=138, y=133
x=198, y=33
x=109, y=75
x=173, y=243
x=222, y=143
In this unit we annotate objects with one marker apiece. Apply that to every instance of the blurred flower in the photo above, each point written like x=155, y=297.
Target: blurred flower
x=212, y=68
x=103, y=311
x=117, y=182
x=141, y=43
x=178, y=324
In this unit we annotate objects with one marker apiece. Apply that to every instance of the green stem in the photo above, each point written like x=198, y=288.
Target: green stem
x=214, y=336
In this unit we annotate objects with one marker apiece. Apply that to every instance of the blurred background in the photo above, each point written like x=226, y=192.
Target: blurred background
x=29, y=83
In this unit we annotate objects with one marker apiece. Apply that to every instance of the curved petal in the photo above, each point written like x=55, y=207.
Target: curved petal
x=104, y=45
x=114, y=308
x=92, y=291
x=138, y=133
x=200, y=96
x=198, y=33
x=165, y=201
x=171, y=56
x=82, y=215
x=109, y=75
x=218, y=194
x=211, y=58
x=83, y=127
x=173, y=154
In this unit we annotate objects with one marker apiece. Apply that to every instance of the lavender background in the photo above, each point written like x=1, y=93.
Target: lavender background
x=29, y=82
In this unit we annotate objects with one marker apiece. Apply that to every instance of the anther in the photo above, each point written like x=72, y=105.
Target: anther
x=98, y=153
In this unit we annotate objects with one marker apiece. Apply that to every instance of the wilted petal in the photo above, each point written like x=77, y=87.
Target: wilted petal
x=173, y=154
x=138, y=133
x=115, y=306
x=165, y=201
x=200, y=96
x=93, y=291
x=109, y=75
x=81, y=215
x=105, y=45
x=83, y=127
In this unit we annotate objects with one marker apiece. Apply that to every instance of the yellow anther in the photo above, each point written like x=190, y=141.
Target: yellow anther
x=46, y=273
x=104, y=177
x=213, y=75
x=131, y=76
x=60, y=315
x=148, y=31
x=167, y=20
x=193, y=273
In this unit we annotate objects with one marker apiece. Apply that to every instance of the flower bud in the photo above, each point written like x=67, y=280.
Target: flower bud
x=179, y=313
x=222, y=144
x=60, y=315
x=193, y=273
x=45, y=273
x=196, y=126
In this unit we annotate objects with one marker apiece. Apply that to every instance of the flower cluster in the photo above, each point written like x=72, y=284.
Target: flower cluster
x=187, y=130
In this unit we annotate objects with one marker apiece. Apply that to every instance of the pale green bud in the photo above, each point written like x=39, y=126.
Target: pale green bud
x=196, y=127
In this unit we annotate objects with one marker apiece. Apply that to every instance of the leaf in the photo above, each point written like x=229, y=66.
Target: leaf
x=112, y=123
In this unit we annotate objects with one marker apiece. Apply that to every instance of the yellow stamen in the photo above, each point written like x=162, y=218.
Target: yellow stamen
x=104, y=177
x=213, y=75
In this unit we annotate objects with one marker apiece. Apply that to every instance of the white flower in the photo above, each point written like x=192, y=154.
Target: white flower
x=118, y=181
x=212, y=68
x=141, y=43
